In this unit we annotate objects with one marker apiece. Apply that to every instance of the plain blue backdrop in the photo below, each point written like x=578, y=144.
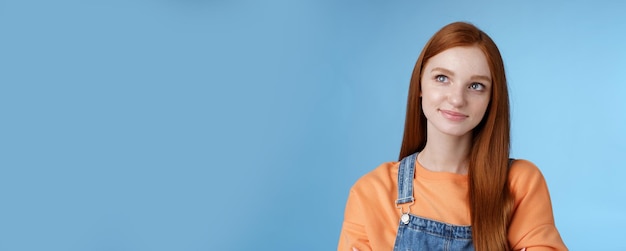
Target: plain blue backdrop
x=241, y=125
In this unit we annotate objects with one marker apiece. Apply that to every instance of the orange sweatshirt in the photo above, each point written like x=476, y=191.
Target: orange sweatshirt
x=371, y=218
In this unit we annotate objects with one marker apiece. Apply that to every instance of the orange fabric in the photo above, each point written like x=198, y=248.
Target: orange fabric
x=371, y=217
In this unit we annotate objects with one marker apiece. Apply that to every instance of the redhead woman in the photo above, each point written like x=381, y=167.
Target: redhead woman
x=454, y=186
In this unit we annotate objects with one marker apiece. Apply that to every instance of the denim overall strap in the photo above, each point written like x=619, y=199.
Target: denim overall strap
x=406, y=173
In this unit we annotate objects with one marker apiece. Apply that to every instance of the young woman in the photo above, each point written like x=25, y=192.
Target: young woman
x=455, y=187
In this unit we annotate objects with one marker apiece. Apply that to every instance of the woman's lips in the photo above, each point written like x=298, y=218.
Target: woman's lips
x=454, y=116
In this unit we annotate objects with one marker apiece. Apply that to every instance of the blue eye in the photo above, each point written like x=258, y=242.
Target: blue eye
x=441, y=78
x=477, y=86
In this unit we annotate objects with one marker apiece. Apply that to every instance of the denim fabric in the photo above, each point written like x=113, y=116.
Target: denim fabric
x=406, y=174
x=420, y=233
x=425, y=234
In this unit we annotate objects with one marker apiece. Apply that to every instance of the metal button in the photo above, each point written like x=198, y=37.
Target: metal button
x=405, y=218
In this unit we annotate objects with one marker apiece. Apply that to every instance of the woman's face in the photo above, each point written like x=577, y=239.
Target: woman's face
x=456, y=88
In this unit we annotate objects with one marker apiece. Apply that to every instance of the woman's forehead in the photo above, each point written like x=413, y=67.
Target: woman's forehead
x=468, y=60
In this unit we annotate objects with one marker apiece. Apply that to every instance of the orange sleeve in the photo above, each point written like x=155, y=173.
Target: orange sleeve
x=353, y=231
x=532, y=225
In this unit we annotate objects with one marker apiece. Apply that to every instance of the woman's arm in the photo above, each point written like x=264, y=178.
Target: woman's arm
x=353, y=234
x=532, y=224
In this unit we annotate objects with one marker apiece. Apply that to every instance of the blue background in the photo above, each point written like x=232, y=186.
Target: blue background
x=241, y=125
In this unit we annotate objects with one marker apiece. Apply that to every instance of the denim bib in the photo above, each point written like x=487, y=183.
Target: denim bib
x=417, y=233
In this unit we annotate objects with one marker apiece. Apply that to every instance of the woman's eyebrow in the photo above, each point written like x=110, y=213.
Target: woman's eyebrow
x=451, y=74
x=444, y=71
x=481, y=77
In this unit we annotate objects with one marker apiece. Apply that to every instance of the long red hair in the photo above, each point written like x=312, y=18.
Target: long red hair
x=490, y=200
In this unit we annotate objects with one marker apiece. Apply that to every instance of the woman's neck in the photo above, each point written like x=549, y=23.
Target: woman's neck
x=446, y=153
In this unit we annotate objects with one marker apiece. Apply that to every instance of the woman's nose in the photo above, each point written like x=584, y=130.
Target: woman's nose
x=456, y=97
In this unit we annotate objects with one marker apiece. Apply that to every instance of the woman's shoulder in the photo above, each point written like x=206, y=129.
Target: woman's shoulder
x=525, y=175
x=522, y=168
x=383, y=176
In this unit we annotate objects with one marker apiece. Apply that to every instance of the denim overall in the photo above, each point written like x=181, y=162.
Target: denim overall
x=416, y=233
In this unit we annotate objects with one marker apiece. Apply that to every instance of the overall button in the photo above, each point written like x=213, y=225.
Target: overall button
x=405, y=218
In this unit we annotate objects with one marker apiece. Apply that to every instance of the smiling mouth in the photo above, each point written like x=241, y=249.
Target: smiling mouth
x=454, y=116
